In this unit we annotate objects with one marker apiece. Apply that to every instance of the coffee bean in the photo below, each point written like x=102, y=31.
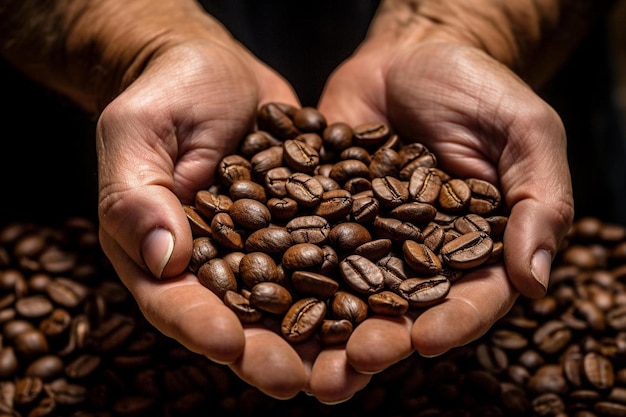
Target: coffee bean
x=303, y=319
x=335, y=332
x=361, y=274
x=217, y=276
x=421, y=292
x=468, y=250
x=270, y=297
x=388, y=303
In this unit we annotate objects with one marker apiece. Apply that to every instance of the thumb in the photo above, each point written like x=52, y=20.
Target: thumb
x=537, y=188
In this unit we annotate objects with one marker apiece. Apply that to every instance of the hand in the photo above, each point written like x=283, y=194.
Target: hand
x=480, y=120
x=158, y=143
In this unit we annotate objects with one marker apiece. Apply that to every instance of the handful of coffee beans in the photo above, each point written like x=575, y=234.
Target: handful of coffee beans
x=321, y=225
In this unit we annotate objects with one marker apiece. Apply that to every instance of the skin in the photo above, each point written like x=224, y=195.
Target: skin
x=173, y=93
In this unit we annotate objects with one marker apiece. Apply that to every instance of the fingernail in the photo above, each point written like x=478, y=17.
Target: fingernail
x=540, y=267
x=157, y=250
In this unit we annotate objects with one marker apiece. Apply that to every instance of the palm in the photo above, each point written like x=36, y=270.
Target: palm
x=482, y=121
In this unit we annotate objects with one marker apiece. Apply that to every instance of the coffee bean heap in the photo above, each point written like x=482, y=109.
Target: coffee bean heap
x=74, y=343
x=320, y=225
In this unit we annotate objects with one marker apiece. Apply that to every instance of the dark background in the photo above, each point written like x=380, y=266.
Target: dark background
x=47, y=155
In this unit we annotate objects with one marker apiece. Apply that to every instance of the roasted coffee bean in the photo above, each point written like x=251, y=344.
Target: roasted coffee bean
x=303, y=319
x=434, y=236
x=271, y=240
x=282, y=208
x=209, y=204
x=224, y=232
x=468, y=250
x=249, y=213
x=552, y=336
x=256, y=267
x=312, y=284
x=242, y=307
x=598, y=370
x=217, y=276
x=454, y=195
x=247, y=189
x=300, y=157
x=390, y=191
x=388, y=303
x=199, y=226
x=472, y=223
x=328, y=183
x=414, y=212
x=337, y=136
x=276, y=119
x=204, y=249
x=358, y=153
x=424, y=185
x=275, y=181
x=83, y=366
x=270, y=297
x=9, y=363
x=266, y=160
x=347, y=306
x=330, y=262
x=308, y=229
x=492, y=358
x=385, y=162
x=396, y=230
x=334, y=205
x=374, y=249
x=305, y=189
x=45, y=367
x=28, y=389
x=421, y=258
x=485, y=196
x=345, y=169
x=233, y=168
x=347, y=236
x=413, y=156
x=424, y=291
x=370, y=134
x=364, y=209
x=335, y=332
x=309, y=119
x=395, y=270
x=255, y=142
x=112, y=333
x=30, y=344
x=66, y=292
x=33, y=307
x=361, y=274
x=303, y=256
x=357, y=185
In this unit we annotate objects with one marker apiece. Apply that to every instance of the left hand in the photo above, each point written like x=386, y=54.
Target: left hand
x=480, y=120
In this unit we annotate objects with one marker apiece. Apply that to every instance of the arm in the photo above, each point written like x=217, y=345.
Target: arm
x=531, y=37
x=91, y=51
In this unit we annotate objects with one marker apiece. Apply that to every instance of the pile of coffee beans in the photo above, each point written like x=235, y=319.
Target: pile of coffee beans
x=73, y=343
x=321, y=225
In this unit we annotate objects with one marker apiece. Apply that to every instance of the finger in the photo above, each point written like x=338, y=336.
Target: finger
x=473, y=305
x=270, y=363
x=379, y=342
x=537, y=187
x=333, y=380
x=181, y=308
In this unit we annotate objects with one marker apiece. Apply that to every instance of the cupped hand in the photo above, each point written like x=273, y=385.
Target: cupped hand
x=158, y=143
x=480, y=120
